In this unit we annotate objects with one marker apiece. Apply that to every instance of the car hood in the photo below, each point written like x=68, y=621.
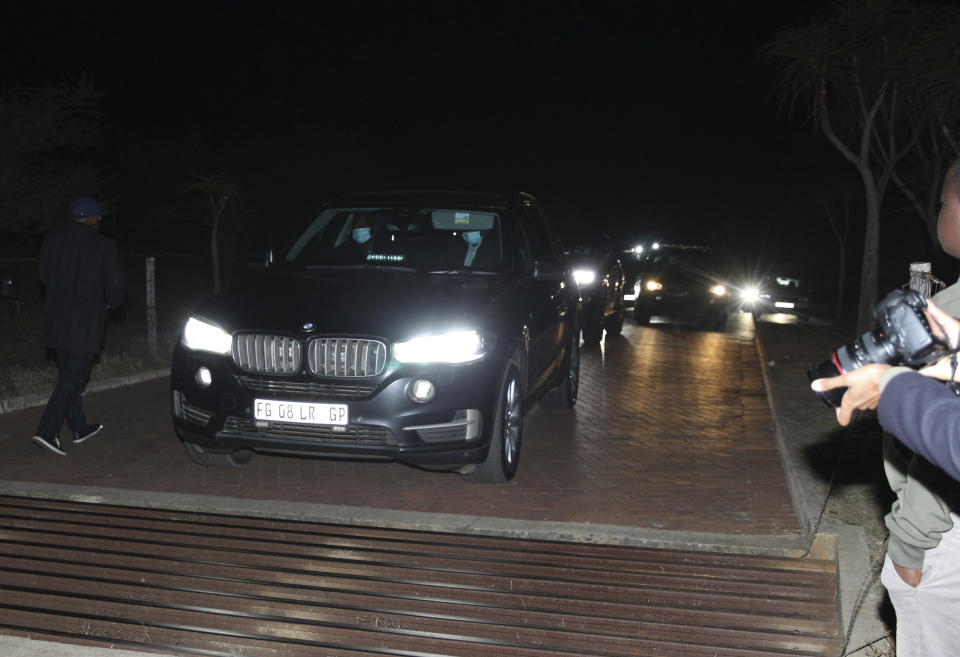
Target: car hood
x=393, y=305
x=682, y=278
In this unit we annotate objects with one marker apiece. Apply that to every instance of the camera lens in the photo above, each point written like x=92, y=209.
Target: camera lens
x=871, y=347
x=825, y=370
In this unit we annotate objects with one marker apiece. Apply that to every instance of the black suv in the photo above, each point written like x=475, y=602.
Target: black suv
x=415, y=326
x=681, y=282
x=598, y=271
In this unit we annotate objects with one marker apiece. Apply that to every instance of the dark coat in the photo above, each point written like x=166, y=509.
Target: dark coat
x=82, y=274
x=925, y=415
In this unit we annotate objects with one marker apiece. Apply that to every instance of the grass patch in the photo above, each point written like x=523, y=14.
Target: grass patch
x=124, y=357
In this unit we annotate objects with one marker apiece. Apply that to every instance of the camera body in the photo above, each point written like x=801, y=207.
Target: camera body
x=902, y=337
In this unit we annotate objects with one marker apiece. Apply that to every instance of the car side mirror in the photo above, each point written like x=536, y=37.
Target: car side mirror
x=261, y=259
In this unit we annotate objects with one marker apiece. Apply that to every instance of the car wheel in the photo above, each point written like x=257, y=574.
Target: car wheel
x=593, y=325
x=614, y=323
x=564, y=395
x=504, y=454
x=200, y=456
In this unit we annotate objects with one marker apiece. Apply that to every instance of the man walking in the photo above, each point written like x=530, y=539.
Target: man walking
x=83, y=278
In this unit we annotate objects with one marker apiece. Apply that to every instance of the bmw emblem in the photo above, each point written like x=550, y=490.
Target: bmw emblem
x=306, y=327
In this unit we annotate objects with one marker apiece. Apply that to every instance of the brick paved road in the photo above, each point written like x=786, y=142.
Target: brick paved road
x=671, y=432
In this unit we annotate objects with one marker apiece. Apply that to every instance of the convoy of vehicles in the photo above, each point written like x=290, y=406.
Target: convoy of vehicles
x=421, y=327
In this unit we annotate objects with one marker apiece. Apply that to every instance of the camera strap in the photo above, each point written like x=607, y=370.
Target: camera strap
x=953, y=384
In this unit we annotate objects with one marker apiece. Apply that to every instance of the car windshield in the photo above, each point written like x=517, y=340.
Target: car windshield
x=696, y=259
x=427, y=239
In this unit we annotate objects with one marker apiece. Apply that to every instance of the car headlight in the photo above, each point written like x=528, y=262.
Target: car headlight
x=456, y=347
x=201, y=335
x=584, y=276
x=718, y=290
x=750, y=294
x=653, y=285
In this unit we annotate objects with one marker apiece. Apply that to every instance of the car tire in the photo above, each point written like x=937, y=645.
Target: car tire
x=564, y=394
x=641, y=315
x=614, y=323
x=505, y=438
x=200, y=456
x=593, y=326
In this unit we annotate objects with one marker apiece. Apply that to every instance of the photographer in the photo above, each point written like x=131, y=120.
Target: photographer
x=923, y=414
x=921, y=570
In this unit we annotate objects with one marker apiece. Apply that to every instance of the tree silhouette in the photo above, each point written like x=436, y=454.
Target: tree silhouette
x=218, y=191
x=862, y=71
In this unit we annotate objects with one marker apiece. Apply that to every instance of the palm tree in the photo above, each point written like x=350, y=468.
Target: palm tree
x=858, y=72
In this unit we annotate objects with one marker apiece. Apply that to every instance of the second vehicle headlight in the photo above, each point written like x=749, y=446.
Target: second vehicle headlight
x=751, y=294
x=584, y=276
x=719, y=290
x=455, y=347
x=202, y=335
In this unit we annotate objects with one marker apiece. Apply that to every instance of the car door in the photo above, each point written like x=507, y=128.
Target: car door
x=548, y=303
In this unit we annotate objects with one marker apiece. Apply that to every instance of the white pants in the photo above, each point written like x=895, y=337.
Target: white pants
x=928, y=617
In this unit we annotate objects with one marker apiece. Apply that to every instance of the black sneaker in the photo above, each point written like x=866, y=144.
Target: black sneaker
x=90, y=431
x=51, y=444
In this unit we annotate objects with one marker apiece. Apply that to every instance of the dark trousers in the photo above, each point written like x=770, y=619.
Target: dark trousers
x=65, y=400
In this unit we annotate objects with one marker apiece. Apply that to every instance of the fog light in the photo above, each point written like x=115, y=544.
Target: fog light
x=421, y=390
x=204, y=376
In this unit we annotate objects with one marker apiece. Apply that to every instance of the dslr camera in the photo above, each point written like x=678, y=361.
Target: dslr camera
x=902, y=337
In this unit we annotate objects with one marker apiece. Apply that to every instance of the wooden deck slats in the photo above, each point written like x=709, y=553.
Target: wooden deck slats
x=212, y=584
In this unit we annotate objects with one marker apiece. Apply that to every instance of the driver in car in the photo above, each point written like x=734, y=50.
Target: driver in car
x=471, y=252
x=358, y=247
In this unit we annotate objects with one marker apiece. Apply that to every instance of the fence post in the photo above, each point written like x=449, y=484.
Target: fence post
x=151, y=305
x=923, y=281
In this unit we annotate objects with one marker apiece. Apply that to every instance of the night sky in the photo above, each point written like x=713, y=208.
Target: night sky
x=645, y=119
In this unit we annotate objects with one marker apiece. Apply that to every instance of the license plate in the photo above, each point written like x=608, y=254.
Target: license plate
x=783, y=304
x=274, y=410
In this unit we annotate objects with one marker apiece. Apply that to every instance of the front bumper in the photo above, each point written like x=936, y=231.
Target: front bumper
x=687, y=306
x=451, y=429
x=768, y=304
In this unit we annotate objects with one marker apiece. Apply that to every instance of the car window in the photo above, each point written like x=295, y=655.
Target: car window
x=538, y=236
x=419, y=237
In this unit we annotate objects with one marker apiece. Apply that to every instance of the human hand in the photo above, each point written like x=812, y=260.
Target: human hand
x=942, y=369
x=910, y=576
x=863, y=389
x=946, y=329
x=944, y=326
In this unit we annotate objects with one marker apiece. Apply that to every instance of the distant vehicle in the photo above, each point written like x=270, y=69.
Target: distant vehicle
x=630, y=261
x=600, y=276
x=426, y=345
x=776, y=294
x=681, y=282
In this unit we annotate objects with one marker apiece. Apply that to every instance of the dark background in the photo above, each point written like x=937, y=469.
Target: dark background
x=644, y=120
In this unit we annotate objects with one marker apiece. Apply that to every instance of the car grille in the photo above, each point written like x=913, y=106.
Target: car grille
x=345, y=391
x=267, y=354
x=355, y=434
x=346, y=357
